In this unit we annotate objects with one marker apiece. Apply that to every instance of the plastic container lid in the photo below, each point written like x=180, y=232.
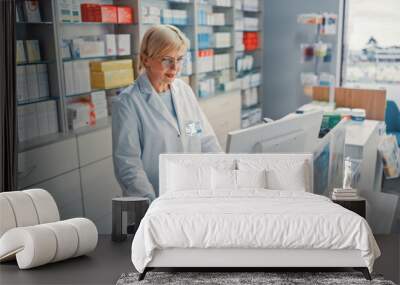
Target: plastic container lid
x=358, y=112
x=343, y=111
x=358, y=115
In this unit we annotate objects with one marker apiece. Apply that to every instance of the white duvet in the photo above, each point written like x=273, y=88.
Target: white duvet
x=252, y=218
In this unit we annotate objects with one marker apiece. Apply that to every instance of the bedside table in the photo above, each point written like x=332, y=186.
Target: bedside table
x=356, y=205
x=135, y=208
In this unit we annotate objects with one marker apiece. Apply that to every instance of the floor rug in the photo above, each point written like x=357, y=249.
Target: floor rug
x=244, y=278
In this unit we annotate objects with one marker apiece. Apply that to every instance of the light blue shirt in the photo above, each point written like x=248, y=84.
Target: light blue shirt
x=143, y=128
x=166, y=97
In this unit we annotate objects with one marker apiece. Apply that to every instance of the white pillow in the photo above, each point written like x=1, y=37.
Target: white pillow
x=223, y=179
x=251, y=178
x=294, y=179
x=281, y=174
x=188, y=177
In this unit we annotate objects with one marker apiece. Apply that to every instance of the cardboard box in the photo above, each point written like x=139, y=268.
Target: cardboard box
x=52, y=117
x=32, y=82
x=32, y=50
x=153, y=11
x=20, y=120
x=76, y=11
x=101, y=66
x=98, y=97
x=123, y=44
x=124, y=15
x=21, y=57
x=65, y=47
x=250, y=40
x=43, y=81
x=42, y=119
x=22, y=90
x=65, y=11
x=81, y=114
x=69, y=78
x=111, y=44
x=90, y=12
x=29, y=122
x=81, y=75
x=19, y=15
x=31, y=11
x=108, y=14
x=111, y=79
x=90, y=46
x=151, y=20
x=100, y=114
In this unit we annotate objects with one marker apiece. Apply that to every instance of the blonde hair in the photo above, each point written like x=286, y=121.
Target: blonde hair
x=160, y=40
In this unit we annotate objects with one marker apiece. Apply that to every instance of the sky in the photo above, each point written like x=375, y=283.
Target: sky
x=377, y=18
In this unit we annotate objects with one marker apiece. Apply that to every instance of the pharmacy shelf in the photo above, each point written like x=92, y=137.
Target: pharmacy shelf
x=218, y=93
x=222, y=7
x=50, y=139
x=45, y=33
x=252, y=107
x=34, y=23
x=102, y=123
x=250, y=30
x=41, y=141
x=257, y=13
x=176, y=25
x=36, y=62
x=98, y=57
x=94, y=90
x=251, y=86
x=66, y=30
x=177, y=2
x=44, y=99
x=216, y=26
x=96, y=23
x=217, y=48
x=248, y=51
x=251, y=12
x=215, y=71
x=256, y=68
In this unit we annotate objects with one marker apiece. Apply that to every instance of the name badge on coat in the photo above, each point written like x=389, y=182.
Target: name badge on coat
x=192, y=137
x=193, y=128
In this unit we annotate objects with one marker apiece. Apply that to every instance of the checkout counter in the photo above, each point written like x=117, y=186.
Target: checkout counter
x=361, y=142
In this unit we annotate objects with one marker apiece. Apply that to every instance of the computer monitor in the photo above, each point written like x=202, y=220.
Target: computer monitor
x=337, y=137
x=292, y=133
x=329, y=160
x=321, y=163
x=297, y=133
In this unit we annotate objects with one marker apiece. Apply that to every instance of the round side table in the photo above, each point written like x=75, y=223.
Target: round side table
x=135, y=208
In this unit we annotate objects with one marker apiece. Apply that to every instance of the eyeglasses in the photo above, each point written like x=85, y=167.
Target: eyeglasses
x=168, y=62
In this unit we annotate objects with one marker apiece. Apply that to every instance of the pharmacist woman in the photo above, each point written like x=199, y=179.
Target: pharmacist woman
x=158, y=114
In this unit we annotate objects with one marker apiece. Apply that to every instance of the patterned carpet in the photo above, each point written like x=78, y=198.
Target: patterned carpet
x=243, y=278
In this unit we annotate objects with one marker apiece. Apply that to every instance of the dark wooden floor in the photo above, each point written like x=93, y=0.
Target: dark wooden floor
x=110, y=260
x=102, y=266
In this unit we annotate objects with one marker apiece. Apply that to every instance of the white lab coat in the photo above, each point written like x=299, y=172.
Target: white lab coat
x=143, y=128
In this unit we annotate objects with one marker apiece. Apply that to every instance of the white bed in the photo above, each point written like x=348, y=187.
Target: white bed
x=201, y=223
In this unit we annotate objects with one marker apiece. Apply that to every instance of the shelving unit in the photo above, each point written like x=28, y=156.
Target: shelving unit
x=248, y=18
x=38, y=89
x=207, y=84
x=57, y=160
x=319, y=52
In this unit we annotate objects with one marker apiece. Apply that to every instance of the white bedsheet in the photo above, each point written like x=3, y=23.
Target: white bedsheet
x=252, y=218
